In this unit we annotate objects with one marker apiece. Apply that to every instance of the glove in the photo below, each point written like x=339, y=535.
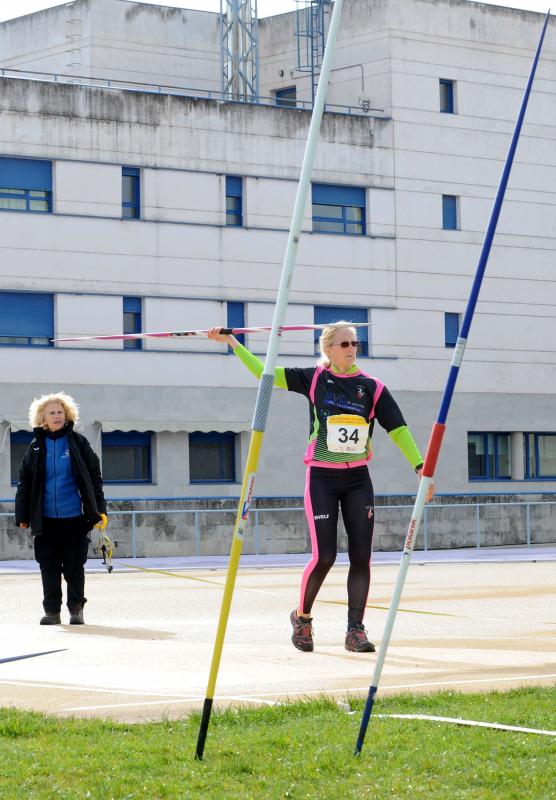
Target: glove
x=102, y=523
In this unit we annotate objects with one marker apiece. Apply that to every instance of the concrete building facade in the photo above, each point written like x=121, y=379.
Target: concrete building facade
x=165, y=207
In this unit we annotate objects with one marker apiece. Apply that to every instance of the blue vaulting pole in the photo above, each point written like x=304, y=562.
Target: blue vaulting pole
x=489, y=236
x=439, y=427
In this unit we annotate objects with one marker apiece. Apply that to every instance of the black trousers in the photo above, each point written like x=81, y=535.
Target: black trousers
x=61, y=549
x=326, y=491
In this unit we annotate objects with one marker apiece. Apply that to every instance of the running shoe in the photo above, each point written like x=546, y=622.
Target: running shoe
x=302, y=636
x=356, y=639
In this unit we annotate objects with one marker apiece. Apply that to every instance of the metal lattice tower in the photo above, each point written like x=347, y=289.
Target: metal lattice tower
x=311, y=37
x=239, y=50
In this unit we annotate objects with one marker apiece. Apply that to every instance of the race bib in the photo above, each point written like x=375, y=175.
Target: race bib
x=346, y=433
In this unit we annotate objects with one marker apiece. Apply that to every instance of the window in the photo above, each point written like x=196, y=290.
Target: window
x=126, y=457
x=25, y=185
x=540, y=455
x=19, y=442
x=236, y=318
x=286, y=97
x=488, y=456
x=234, y=201
x=132, y=322
x=450, y=212
x=26, y=318
x=447, y=96
x=131, y=193
x=338, y=209
x=451, y=329
x=212, y=457
x=325, y=314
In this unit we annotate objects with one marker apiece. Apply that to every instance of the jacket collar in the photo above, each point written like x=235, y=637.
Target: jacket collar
x=42, y=433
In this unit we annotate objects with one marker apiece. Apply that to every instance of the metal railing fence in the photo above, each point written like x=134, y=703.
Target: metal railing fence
x=360, y=110
x=475, y=524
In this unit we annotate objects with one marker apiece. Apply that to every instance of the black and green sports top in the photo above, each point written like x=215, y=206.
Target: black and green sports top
x=342, y=411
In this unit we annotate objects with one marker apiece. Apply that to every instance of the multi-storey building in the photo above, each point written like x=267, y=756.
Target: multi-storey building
x=133, y=196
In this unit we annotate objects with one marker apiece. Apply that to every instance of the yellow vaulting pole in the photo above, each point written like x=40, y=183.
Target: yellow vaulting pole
x=235, y=553
x=242, y=516
x=267, y=379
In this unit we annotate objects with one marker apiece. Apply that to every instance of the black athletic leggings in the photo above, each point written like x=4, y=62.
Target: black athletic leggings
x=352, y=490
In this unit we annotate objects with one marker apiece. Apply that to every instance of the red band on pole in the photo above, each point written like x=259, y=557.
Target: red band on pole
x=433, y=449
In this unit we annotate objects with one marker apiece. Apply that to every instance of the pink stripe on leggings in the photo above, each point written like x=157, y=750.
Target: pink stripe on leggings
x=314, y=544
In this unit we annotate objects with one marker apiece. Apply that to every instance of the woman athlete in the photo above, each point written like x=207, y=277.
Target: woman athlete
x=344, y=402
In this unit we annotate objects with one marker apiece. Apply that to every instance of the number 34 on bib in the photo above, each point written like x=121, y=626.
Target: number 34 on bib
x=346, y=433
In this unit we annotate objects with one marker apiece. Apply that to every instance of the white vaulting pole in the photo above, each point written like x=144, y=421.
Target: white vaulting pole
x=267, y=379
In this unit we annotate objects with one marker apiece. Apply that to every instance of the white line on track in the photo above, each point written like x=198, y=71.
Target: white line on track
x=440, y=684
x=471, y=723
x=196, y=699
x=258, y=700
x=176, y=700
x=294, y=693
x=72, y=687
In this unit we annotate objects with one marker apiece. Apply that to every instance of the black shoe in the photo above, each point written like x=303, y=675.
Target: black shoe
x=51, y=618
x=76, y=617
x=302, y=636
x=356, y=639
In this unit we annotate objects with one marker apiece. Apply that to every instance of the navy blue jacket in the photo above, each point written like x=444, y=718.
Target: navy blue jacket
x=85, y=466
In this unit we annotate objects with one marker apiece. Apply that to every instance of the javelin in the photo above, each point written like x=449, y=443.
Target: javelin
x=267, y=378
x=439, y=427
x=203, y=332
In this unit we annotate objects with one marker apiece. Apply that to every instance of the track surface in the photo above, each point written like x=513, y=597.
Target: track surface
x=468, y=620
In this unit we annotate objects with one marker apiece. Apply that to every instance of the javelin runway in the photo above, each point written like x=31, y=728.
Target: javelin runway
x=468, y=620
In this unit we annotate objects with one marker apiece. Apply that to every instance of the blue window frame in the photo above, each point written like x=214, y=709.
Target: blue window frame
x=212, y=457
x=127, y=457
x=132, y=322
x=446, y=96
x=326, y=314
x=26, y=318
x=451, y=329
x=235, y=318
x=25, y=185
x=338, y=209
x=540, y=456
x=19, y=442
x=234, y=201
x=449, y=212
x=286, y=97
x=131, y=193
x=488, y=456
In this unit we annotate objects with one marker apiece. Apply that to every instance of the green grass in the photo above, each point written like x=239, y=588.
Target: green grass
x=299, y=750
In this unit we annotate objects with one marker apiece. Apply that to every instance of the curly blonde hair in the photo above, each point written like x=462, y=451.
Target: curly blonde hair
x=36, y=409
x=326, y=339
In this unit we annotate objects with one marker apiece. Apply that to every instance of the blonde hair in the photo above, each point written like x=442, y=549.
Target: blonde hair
x=36, y=409
x=326, y=339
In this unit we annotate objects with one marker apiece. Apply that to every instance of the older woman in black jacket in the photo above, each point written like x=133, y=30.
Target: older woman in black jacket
x=60, y=497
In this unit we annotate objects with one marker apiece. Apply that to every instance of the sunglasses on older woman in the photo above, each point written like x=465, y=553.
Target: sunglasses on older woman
x=345, y=345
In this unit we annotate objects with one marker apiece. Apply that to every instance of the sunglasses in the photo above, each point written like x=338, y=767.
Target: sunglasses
x=345, y=345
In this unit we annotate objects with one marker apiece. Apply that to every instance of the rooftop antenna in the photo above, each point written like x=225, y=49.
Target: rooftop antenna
x=239, y=52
